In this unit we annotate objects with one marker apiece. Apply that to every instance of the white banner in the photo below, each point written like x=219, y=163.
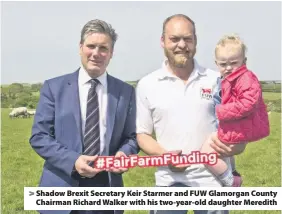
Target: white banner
x=152, y=198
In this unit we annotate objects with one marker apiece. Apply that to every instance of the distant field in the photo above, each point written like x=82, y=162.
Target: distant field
x=271, y=95
x=260, y=164
x=271, y=87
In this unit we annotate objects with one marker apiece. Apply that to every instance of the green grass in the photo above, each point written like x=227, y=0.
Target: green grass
x=270, y=87
x=21, y=166
x=271, y=95
x=260, y=164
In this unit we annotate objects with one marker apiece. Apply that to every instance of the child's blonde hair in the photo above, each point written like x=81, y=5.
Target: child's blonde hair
x=233, y=39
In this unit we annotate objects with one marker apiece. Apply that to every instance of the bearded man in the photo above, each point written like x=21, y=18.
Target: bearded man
x=176, y=102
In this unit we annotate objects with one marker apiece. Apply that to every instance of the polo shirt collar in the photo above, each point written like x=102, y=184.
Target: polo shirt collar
x=165, y=73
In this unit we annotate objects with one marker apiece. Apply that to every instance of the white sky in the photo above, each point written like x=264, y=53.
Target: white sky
x=40, y=40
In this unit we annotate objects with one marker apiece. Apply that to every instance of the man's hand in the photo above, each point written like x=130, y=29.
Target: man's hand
x=83, y=168
x=178, y=167
x=226, y=150
x=118, y=170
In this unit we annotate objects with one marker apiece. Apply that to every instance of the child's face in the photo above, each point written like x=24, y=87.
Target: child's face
x=229, y=58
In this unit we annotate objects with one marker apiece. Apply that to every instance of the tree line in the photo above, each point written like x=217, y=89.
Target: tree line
x=27, y=95
x=16, y=95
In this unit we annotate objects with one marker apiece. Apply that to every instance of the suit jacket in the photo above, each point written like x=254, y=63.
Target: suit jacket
x=57, y=134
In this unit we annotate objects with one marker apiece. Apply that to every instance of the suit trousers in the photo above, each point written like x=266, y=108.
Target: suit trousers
x=99, y=180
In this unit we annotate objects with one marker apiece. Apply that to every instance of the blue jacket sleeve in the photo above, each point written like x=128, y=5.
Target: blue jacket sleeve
x=43, y=137
x=129, y=144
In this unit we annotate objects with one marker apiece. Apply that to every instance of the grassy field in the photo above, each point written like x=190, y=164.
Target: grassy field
x=260, y=164
x=272, y=96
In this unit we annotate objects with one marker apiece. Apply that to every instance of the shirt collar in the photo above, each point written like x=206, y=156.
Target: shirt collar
x=84, y=77
x=198, y=70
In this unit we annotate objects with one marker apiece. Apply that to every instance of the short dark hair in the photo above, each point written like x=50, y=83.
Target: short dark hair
x=180, y=16
x=98, y=26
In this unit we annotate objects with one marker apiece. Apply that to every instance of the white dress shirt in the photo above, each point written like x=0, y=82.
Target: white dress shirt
x=182, y=116
x=101, y=90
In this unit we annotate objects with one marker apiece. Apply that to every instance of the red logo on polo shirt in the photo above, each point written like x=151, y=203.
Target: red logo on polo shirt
x=206, y=93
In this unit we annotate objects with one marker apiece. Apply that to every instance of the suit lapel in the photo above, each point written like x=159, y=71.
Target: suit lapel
x=113, y=97
x=74, y=103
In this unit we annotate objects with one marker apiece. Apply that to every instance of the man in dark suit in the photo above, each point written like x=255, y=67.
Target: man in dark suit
x=85, y=114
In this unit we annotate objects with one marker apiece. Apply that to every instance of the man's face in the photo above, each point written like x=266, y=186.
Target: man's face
x=229, y=58
x=179, y=42
x=96, y=52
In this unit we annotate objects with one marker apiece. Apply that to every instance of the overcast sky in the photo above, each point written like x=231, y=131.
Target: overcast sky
x=40, y=40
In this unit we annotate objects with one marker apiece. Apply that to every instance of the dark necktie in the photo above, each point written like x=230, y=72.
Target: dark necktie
x=92, y=129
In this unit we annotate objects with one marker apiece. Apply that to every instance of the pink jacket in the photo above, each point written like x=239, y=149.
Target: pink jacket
x=242, y=113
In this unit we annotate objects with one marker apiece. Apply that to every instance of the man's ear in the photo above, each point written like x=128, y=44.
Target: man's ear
x=112, y=53
x=215, y=62
x=245, y=60
x=80, y=48
x=162, y=41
